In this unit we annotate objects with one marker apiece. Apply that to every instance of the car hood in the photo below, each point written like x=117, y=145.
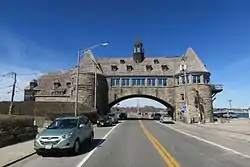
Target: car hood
x=55, y=132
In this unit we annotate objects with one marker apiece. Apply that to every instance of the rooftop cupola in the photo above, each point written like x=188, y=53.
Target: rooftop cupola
x=138, y=54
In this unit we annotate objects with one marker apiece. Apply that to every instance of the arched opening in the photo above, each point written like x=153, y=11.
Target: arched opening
x=165, y=105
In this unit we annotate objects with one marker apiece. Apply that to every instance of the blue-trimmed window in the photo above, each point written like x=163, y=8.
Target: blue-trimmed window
x=162, y=82
x=112, y=82
x=115, y=82
x=133, y=81
x=125, y=81
x=206, y=79
x=151, y=82
x=196, y=79
x=183, y=81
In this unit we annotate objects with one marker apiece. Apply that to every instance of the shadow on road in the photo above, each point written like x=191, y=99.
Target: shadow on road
x=85, y=149
x=138, y=119
x=168, y=123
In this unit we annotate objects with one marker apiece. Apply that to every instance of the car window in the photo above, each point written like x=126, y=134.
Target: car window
x=85, y=120
x=63, y=124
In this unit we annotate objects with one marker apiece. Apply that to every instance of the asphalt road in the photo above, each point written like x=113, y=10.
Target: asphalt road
x=144, y=144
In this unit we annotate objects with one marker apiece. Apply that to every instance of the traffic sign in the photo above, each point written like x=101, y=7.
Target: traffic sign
x=184, y=108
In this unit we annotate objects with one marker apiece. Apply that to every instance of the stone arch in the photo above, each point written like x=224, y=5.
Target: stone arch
x=163, y=102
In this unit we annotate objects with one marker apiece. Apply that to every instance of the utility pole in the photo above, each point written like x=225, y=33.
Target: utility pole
x=230, y=107
x=138, y=107
x=95, y=95
x=79, y=54
x=13, y=93
x=77, y=83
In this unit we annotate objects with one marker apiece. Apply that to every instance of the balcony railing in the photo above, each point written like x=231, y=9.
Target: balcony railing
x=216, y=88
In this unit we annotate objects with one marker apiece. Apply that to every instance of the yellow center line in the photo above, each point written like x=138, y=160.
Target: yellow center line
x=169, y=160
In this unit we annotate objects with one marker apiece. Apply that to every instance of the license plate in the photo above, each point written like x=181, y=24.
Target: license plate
x=48, y=146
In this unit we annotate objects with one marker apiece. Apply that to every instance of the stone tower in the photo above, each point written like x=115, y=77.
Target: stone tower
x=138, y=54
x=199, y=94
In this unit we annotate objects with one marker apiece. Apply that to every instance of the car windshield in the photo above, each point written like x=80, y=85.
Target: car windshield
x=63, y=124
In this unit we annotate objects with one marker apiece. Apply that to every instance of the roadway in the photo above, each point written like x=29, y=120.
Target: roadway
x=143, y=143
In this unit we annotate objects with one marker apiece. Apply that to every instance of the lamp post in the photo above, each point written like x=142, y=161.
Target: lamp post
x=80, y=53
x=230, y=108
x=183, y=68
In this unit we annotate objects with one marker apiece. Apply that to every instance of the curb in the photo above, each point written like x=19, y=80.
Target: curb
x=19, y=159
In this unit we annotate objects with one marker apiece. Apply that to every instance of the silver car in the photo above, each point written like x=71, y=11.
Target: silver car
x=166, y=119
x=65, y=133
x=113, y=117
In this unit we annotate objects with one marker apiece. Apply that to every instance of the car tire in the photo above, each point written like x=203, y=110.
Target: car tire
x=76, y=148
x=39, y=153
x=91, y=138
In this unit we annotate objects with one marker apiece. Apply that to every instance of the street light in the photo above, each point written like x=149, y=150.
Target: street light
x=80, y=53
x=183, y=68
x=230, y=108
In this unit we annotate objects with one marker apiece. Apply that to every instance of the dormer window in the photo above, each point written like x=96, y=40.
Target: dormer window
x=114, y=68
x=57, y=84
x=68, y=84
x=149, y=67
x=156, y=61
x=122, y=61
x=164, y=67
x=129, y=68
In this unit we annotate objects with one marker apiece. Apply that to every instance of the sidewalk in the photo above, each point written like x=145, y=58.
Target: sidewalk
x=232, y=140
x=238, y=126
x=16, y=152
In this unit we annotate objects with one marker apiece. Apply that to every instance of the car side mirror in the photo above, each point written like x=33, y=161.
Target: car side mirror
x=81, y=125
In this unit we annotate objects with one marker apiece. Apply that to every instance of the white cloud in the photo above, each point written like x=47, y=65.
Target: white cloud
x=22, y=56
x=142, y=102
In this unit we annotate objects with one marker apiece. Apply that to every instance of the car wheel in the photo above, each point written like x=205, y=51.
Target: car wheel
x=91, y=138
x=39, y=153
x=76, y=148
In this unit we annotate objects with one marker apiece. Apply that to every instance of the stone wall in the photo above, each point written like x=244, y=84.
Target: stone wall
x=44, y=109
x=156, y=93
x=170, y=96
x=14, y=129
x=86, y=91
x=201, y=105
x=52, y=99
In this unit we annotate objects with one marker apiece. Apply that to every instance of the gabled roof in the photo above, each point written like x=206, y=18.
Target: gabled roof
x=193, y=62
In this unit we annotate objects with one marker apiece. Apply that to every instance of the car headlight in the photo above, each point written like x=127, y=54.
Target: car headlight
x=37, y=136
x=66, y=136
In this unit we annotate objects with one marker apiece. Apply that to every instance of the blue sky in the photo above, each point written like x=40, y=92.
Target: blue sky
x=39, y=36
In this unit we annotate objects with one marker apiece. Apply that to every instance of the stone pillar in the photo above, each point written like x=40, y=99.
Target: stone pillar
x=86, y=90
x=202, y=79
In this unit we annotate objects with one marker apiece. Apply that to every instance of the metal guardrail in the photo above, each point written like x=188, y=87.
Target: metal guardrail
x=217, y=86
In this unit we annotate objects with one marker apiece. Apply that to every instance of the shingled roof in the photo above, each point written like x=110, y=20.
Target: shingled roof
x=139, y=69
x=46, y=81
x=193, y=62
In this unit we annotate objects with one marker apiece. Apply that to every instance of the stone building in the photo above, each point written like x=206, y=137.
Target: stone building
x=158, y=78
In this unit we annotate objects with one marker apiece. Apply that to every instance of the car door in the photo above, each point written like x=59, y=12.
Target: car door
x=82, y=130
x=88, y=126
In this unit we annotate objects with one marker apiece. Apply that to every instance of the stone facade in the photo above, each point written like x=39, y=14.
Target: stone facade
x=158, y=78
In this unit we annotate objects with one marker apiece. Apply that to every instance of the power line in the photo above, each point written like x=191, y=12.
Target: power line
x=19, y=89
x=5, y=87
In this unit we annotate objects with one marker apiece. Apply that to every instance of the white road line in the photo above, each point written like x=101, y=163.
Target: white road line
x=91, y=152
x=206, y=141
